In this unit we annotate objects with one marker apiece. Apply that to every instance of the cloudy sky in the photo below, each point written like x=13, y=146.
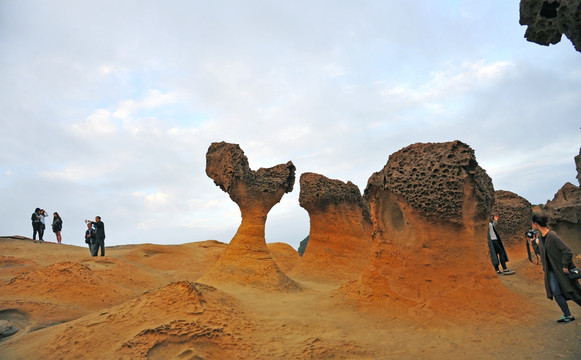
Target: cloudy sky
x=108, y=107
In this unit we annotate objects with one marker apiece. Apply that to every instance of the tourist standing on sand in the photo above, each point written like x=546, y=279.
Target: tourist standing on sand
x=57, y=226
x=497, y=251
x=36, y=224
x=42, y=214
x=90, y=238
x=100, y=236
x=557, y=259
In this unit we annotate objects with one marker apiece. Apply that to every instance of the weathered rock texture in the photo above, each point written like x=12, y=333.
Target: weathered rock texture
x=429, y=207
x=514, y=217
x=564, y=212
x=247, y=259
x=548, y=20
x=340, y=229
x=431, y=178
x=578, y=164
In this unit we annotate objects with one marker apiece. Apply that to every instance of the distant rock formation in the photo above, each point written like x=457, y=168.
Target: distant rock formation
x=430, y=206
x=578, y=165
x=340, y=229
x=514, y=217
x=247, y=259
x=564, y=212
x=284, y=255
x=303, y=246
x=548, y=20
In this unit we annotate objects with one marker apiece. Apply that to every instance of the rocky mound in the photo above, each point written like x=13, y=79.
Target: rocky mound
x=247, y=259
x=284, y=255
x=340, y=229
x=54, y=281
x=429, y=207
x=182, y=320
x=564, y=212
x=514, y=217
x=548, y=20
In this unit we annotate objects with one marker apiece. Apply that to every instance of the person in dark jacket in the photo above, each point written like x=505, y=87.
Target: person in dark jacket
x=36, y=224
x=90, y=238
x=57, y=226
x=498, y=254
x=100, y=235
x=557, y=259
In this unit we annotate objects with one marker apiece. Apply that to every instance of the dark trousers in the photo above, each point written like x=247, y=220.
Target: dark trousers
x=99, y=243
x=558, y=295
x=41, y=227
x=36, y=229
x=500, y=253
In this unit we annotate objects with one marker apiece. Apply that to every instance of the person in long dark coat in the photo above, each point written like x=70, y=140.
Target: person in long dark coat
x=498, y=255
x=557, y=259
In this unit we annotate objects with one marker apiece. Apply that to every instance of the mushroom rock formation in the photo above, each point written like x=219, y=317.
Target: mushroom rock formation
x=247, y=260
x=578, y=164
x=564, y=212
x=340, y=229
x=548, y=20
x=429, y=208
x=514, y=217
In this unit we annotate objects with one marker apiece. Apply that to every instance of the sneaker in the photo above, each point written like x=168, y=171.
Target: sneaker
x=565, y=319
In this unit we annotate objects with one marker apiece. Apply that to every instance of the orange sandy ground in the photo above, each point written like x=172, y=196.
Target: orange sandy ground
x=143, y=302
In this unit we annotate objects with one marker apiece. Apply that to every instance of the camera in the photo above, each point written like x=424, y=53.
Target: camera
x=530, y=234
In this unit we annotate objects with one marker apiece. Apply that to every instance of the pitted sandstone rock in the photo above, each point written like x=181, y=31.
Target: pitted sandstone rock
x=247, y=260
x=431, y=178
x=318, y=192
x=566, y=205
x=514, y=216
x=340, y=229
x=227, y=165
x=430, y=207
x=548, y=20
x=564, y=213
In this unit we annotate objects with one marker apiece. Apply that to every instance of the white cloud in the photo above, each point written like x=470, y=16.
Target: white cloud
x=98, y=124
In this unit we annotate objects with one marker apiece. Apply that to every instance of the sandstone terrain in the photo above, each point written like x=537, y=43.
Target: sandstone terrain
x=144, y=302
x=401, y=271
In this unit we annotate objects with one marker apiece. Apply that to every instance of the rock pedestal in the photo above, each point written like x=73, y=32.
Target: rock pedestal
x=429, y=208
x=247, y=260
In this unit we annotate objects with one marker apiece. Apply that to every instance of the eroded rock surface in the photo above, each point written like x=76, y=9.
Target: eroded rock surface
x=514, y=217
x=429, y=208
x=564, y=212
x=548, y=20
x=431, y=178
x=340, y=229
x=247, y=259
x=578, y=165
